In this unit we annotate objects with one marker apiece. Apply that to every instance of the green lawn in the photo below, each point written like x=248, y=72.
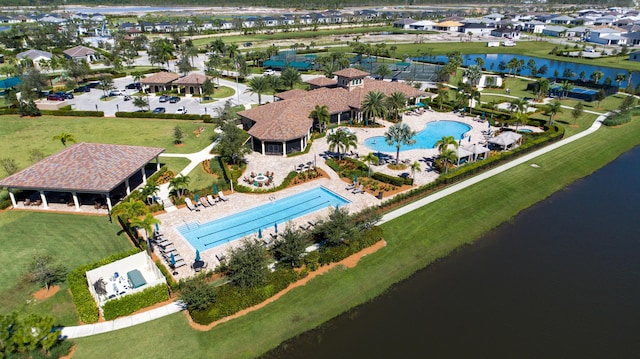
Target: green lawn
x=18, y=136
x=82, y=239
x=414, y=241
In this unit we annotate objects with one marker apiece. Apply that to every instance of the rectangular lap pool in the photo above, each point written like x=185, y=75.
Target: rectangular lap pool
x=211, y=234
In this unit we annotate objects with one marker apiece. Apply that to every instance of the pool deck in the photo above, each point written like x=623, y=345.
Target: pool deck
x=281, y=166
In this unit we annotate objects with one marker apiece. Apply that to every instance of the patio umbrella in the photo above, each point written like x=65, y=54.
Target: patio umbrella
x=488, y=124
x=420, y=104
x=355, y=178
x=275, y=227
x=157, y=228
x=215, y=189
x=172, y=260
x=469, y=138
x=259, y=233
x=197, y=199
x=197, y=255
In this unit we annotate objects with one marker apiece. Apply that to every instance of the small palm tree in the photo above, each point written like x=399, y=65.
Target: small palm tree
x=369, y=159
x=442, y=93
x=400, y=134
x=321, y=113
x=383, y=71
x=147, y=222
x=373, y=105
x=448, y=156
x=64, y=137
x=149, y=190
x=415, y=167
x=258, y=85
x=553, y=109
x=395, y=103
x=342, y=140
x=518, y=105
x=130, y=209
x=520, y=119
x=443, y=143
x=179, y=184
x=275, y=84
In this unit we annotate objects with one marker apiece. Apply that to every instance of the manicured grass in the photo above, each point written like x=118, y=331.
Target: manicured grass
x=414, y=241
x=200, y=179
x=18, y=136
x=82, y=239
x=223, y=91
x=175, y=164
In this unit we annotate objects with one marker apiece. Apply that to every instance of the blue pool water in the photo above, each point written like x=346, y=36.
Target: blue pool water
x=424, y=139
x=211, y=234
x=580, y=90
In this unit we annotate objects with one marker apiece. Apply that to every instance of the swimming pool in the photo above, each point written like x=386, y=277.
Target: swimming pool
x=211, y=234
x=424, y=139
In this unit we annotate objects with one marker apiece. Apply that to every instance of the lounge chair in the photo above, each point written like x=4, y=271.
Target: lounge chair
x=221, y=258
x=204, y=202
x=212, y=201
x=27, y=202
x=351, y=186
x=190, y=205
x=178, y=264
x=176, y=257
x=168, y=249
x=37, y=202
x=222, y=197
x=360, y=189
x=305, y=226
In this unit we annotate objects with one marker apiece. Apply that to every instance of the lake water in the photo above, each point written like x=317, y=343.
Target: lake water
x=561, y=280
x=492, y=61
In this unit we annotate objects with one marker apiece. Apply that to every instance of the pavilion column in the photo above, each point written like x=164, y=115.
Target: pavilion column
x=284, y=148
x=157, y=163
x=109, y=206
x=13, y=197
x=126, y=183
x=44, y=199
x=340, y=113
x=263, y=149
x=144, y=176
x=301, y=143
x=75, y=200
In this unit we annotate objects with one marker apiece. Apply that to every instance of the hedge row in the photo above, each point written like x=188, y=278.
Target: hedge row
x=82, y=299
x=350, y=246
x=73, y=113
x=9, y=111
x=165, y=272
x=174, y=116
x=362, y=171
x=620, y=118
x=231, y=299
x=133, y=302
x=394, y=180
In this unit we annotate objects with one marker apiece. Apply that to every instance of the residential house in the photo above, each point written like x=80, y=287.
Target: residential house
x=82, y=53
x=555, y=31
x=534, y=26
x=160, y=81
x=633, y=38
x=403, y=23
x=452, y=26
x=562, y=20
x=35, y=56
x=607, y=36
x=505, y=32
x=634, y=56
x=578, y=31
x=475, y=28
x=422, y=25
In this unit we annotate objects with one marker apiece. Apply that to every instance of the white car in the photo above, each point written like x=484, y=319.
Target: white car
x=116, y=93
x=181, y=110
x=269, y=72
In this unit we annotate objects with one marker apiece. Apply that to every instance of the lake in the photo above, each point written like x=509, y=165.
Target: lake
x=562, y=279
x=492, y=61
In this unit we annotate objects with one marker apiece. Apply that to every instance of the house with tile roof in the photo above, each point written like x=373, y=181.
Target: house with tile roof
x=160, y=81
x=81, y=53
x=35, y=56
x=284, y=126
x=191, y=83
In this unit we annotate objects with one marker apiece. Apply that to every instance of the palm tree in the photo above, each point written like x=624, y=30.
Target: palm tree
x=553, y=109
x=275, y=83
x=473, y=75
x=149, y=190
x=400, y=134
x=382, y=71
x=130, y=209
x=64, y=137
x=370, y=158
x=443, y=143
x=518, y=105
x=258, y=85
x=415, y=167
x=566, y=87
x=541, y=88
x=520, y=119
x=596, y=76
x=373, y=105
x=146, y=223
x=179, y=184
x=395, y=103
x=290, y=77
x=448, y=156
x=620, y=77
x=321, y=113
x=442, y=92
x=342, y=140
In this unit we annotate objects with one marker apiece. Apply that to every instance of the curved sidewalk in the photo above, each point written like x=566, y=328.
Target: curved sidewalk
x=103, y=327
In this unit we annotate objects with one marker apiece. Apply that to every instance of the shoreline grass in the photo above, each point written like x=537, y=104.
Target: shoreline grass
x=414, y=241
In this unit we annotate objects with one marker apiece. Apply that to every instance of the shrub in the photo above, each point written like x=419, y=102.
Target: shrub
x=73, y=113
x=130, y=303
x=175, y=116
x=619, y=118
x=165, y=272
x=85, y=305
x=197, y=294
x=382, y=177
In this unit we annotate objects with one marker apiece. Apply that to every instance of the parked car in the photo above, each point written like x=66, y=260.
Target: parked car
x=93, y=84
x=116, y=93
x=54, y=97
x=84, y=88
x=174, y=99
x=134, y=86
x=269, y=72
x=159, y=110
x=181, y=110
x=164, y=98
x=65, y=94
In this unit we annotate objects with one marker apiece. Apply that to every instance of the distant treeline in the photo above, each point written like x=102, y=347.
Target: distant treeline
x=310, y=4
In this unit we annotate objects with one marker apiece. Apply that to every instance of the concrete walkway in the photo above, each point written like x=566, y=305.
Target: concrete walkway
x=124, y=322
x=197, y=157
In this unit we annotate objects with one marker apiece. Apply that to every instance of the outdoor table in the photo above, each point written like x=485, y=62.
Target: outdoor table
x=198, y=265
x=261, y=178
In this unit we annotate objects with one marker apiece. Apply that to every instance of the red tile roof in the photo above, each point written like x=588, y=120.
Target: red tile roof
x=350, y=72
x=160, y=78
x=84, y=167
x=191, y=79
x=289, y=119
x=79, y=51
x=322, y=81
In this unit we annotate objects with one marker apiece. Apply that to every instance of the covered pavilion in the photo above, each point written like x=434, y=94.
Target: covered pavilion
x=100, y=170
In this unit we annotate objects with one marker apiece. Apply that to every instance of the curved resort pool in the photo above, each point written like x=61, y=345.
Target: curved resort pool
x=425, y=139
